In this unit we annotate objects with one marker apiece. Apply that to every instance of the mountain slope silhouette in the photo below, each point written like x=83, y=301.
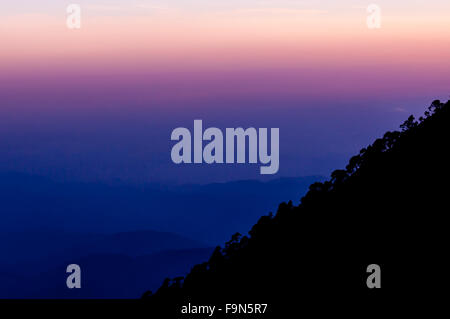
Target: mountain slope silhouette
x=388, y=207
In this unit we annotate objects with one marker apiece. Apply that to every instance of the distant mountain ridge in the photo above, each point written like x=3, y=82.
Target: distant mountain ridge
x=29, y=202
x=43, y=248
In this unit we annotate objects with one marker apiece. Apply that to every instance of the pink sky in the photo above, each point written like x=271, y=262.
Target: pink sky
x=240, y=39
x=276, y=50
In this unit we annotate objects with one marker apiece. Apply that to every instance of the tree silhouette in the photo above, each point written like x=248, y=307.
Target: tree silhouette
x=389, y=207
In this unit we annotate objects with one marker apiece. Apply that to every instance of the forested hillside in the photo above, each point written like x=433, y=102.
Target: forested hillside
x=388, y=207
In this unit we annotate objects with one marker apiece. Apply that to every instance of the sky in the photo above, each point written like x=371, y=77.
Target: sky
x=99, y=103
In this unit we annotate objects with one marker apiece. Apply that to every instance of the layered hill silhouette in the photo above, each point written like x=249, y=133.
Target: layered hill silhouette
x=120, y=265
x=112, y=276
x=48, y=225
x=42, y=247
x=388, y=207
x=31, y=202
